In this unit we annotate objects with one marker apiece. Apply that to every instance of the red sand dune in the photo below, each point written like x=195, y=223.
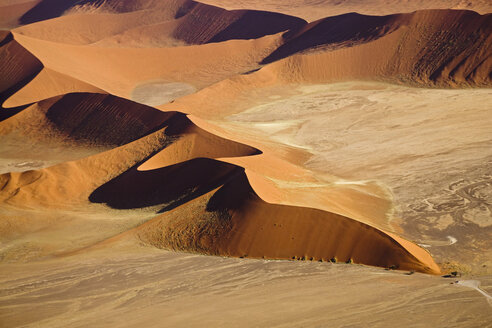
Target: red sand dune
x=17, y=65
x=214, y=191
x=186, y=21
x=175, y=185
x=234, y=221
x=439, y=47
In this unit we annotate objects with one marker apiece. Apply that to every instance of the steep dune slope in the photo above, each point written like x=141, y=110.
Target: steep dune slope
x=87, y=28
x=17, y=67
x=47, y=9
x=71, y=127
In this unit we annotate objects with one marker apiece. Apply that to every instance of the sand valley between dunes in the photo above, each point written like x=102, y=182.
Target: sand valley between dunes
x=246, y=163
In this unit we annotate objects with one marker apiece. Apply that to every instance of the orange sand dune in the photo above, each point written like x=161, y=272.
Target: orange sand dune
x=17, y=65
x=434, y=48
x=12, y=10
x=119, y=70
x=95, y=121
x=277, y=179
x=47, y=9
x=170, y=186
x=87, y=28
x=184, y=21
x=195, y=143
x=426, y=48
x=84, y=118
x=133, y=126
x=221, y=189
x=70, y=127
x=429, y=47
x=233, y=221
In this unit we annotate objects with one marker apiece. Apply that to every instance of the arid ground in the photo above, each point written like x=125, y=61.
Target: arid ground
x=173, y=163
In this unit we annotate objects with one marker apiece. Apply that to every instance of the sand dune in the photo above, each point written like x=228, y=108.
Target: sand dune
x=175, y=182
x=128, y=127
x=17, y=65
x=47, y=84
x=314, y=10
x=233, y=221
x=85, y=118
x=184, y=22
x=405, y=49
x=12, y=10
x=85, y=68
x=119, y=70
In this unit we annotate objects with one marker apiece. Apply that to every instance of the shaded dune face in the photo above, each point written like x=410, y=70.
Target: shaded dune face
x=234, y=221
x=48, y=9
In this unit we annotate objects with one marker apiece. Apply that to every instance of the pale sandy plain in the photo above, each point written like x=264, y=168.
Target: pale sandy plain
x=173, y=164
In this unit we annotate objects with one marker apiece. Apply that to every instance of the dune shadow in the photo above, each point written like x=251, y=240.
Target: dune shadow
x=169, y=186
